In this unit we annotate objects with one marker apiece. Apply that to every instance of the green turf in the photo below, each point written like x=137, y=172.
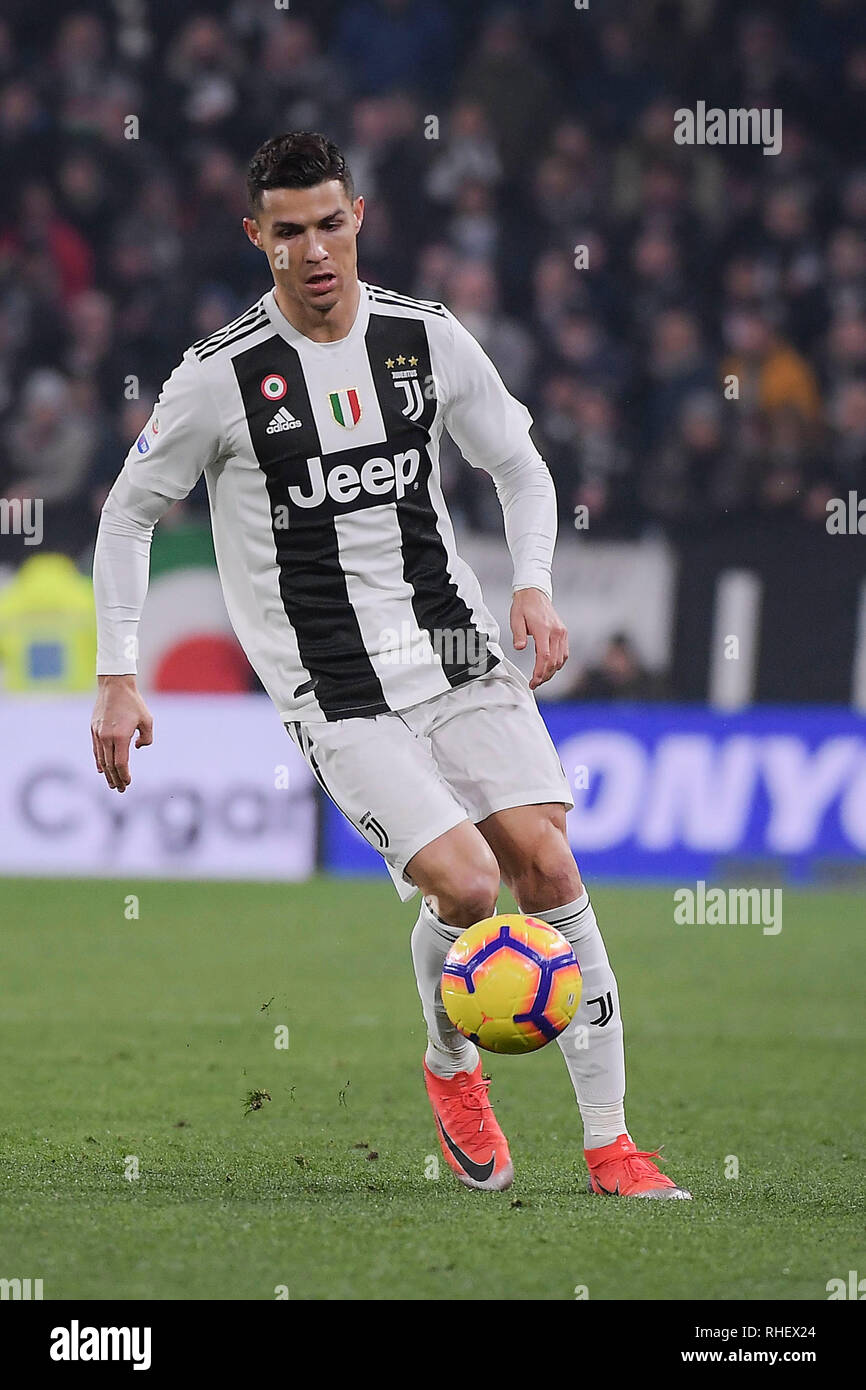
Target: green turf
x=141, y=1038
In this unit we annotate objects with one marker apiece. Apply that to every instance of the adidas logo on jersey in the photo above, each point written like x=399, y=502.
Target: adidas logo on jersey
x=283, y=420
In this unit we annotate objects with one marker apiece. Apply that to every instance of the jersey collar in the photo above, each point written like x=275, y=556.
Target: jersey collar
x=300, y=340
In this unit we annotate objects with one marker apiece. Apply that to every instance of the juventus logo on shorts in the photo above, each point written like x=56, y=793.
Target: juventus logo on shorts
x=369, y=823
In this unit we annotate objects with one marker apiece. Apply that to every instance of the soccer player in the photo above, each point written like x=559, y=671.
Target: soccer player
x=316, y=417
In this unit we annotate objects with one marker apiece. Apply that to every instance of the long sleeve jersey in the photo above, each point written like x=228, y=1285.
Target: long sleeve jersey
x=334, y=545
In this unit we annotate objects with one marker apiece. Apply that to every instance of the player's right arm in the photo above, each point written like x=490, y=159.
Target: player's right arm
x=181, y=438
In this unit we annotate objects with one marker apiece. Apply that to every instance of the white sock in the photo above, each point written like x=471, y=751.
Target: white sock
x=592, y=1044
x=448, y=1051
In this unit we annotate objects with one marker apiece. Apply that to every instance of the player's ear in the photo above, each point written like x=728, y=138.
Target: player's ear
x=251, y=227
x=358, y=212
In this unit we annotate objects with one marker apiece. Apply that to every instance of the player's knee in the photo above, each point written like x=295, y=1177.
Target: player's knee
x=546, y=875
x=467, y=893
x=479, y=896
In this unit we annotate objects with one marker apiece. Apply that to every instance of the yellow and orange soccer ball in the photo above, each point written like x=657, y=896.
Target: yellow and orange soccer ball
x=511, y=983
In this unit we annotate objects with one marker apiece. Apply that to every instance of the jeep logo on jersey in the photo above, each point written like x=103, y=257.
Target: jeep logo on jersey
x=274, y=386
x=345, y=407
x=344, y=483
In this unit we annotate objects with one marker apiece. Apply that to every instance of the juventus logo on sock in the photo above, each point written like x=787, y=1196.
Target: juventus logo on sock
x=605, y=1010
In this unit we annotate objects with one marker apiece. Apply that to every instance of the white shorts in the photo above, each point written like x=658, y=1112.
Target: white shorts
x=405, y=778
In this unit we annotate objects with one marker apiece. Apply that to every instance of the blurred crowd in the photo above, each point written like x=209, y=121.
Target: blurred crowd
x=687, y=324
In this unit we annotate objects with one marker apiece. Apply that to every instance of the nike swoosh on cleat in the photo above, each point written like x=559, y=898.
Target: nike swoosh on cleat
x=479, y=1171
x=600, y=1187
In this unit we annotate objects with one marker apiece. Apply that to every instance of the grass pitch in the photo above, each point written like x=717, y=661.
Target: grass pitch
x=132, y=1046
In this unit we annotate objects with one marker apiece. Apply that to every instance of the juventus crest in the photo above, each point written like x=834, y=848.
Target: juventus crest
x=405, y=379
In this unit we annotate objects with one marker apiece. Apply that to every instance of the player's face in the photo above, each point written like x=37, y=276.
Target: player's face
x=309, y=236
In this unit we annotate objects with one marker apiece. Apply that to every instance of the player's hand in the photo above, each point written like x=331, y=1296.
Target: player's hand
x=119, y=712
x=533, y=615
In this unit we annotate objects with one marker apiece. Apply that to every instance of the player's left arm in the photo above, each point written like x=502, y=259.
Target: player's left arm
x=491, y=429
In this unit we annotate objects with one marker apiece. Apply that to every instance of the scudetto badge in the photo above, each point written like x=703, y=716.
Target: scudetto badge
x=345, y=407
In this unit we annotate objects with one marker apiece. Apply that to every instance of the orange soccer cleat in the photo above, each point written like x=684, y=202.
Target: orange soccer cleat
x=472, y=1142
x=621, y=1170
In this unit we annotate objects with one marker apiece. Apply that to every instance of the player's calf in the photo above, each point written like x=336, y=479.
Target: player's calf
x=459, y=878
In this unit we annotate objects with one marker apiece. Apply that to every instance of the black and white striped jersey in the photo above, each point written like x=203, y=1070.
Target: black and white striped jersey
x=333, y=541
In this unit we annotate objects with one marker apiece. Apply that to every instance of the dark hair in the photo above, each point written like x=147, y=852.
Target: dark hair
x=297, y=159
